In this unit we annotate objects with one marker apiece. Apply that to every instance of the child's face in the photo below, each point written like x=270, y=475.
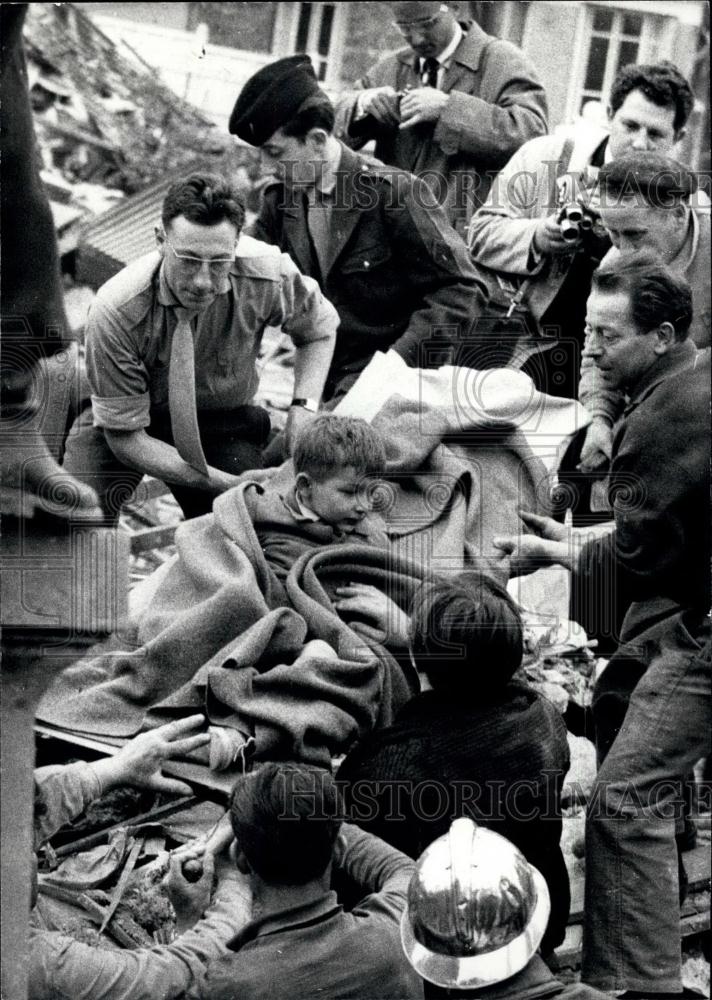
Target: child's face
x=340, y=500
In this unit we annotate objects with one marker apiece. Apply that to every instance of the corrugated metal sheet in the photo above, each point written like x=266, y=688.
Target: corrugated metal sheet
x=120, y=235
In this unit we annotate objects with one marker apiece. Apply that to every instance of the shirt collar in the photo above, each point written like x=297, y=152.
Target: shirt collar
x=444, y=58
x=683, y=356
x=449, y=51
x=688, y=248
x=273, y=921
x=298, y=510
x=165, y=296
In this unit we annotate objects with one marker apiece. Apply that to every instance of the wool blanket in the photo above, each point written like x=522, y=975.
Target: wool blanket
x=223, y=635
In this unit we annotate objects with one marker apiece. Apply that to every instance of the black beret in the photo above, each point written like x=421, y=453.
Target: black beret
x=272, y=97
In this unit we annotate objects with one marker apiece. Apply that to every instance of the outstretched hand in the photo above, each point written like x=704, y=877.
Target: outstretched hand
x=140, y=761
x=526, y=553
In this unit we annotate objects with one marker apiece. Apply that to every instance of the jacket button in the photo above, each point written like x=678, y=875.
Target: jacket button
x=366, y=263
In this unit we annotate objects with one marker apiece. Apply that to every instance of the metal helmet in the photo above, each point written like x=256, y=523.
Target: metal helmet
x=477, y=910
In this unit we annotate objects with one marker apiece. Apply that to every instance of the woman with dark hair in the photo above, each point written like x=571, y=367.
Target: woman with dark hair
x=475, y=742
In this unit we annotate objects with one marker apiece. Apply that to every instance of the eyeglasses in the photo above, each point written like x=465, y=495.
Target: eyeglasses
x=217, y=265
x=408, y=27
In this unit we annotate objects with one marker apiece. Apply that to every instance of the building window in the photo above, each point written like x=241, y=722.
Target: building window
x=246, y=26
x=615, y=39
x=315, y=34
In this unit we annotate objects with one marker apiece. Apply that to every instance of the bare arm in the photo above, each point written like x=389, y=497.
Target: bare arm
x=152, y=457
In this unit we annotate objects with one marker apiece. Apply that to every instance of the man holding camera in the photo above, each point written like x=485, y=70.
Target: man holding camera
x=524, y=237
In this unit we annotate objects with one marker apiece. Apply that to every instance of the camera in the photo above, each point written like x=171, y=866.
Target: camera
x=574, y=220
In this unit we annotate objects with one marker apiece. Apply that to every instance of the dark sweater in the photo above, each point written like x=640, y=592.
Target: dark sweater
x=502, y=761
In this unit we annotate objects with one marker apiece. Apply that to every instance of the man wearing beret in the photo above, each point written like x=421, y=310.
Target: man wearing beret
x=453, y=105
x=381, y=249
x=172, y=342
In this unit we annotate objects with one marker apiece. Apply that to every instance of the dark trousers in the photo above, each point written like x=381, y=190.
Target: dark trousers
x=232, y=441
x=652, y=710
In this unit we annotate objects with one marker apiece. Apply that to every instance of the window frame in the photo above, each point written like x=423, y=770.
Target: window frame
x=585, y=34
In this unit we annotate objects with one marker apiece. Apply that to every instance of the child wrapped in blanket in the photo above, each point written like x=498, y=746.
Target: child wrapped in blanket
x=329, y=499
x=324, y=497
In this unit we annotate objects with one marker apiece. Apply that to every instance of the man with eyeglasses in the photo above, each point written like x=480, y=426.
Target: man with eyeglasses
x=172, y=342
x=451, y=107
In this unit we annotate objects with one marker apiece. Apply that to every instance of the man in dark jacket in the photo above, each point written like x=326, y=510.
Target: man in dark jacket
x=382, y=251
x=473, y=743
x=301, y=943
x=452, y=106
x=652, y=703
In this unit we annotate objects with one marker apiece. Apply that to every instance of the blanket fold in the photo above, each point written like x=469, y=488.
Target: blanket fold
x=224, y=635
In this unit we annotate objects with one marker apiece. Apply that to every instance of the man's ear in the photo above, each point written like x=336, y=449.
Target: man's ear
x=318, y=137
x=680, y=134
x=160, y=240
x=664, y=338
x=609, y=113
x=303, y=481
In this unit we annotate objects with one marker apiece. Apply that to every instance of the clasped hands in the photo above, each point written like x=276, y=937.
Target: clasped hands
x=387, y=106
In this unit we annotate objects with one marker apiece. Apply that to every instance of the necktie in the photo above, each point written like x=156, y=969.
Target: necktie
x=319, y=221
x=429, y=72
x=181, y=395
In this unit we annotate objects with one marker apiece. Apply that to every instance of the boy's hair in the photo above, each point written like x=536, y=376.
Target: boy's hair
x=330, y=442
x=657, y=294
x=206, y=199
x=316, y=112
x=662, y=83
x=648, y=177
x=286, y=818
x=466, y=635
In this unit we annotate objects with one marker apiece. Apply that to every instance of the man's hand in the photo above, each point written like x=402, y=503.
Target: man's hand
x=190, y=899
x=598, y=446
x=297, y=418
x=545, y=527
x=390, y=624
x=527, y=553
x=139, y=762
x=381, y=103
x=221, y=481
x=548, y=239
x=422, y=105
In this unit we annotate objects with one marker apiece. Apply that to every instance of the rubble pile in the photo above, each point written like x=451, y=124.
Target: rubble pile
x=106, y=117
x=106, y=124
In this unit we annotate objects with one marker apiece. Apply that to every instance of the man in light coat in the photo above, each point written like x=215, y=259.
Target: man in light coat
x=516, y=234
x=451, y=106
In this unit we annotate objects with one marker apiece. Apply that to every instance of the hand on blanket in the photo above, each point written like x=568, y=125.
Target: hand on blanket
x=139, y=762
x=527, y=553
x=390, y=623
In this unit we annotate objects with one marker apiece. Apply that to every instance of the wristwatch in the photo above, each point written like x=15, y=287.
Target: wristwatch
x=307, y=404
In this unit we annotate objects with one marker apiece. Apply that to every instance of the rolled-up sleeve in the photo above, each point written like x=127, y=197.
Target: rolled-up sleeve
x=117, y=375
x=61, y=794
x=64, y=969
x=302, y=311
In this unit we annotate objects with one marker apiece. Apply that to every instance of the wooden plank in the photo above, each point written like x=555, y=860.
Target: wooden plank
x=213, y=785
x=157, y=537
